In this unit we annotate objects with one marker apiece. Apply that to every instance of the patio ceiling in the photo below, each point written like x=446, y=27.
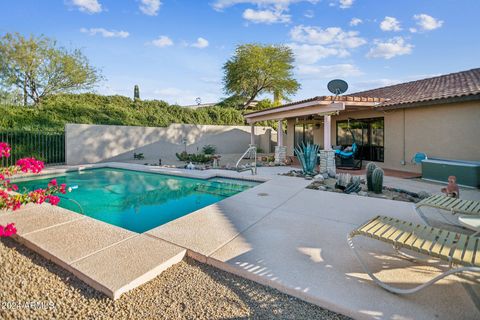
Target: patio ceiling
x=315, y=106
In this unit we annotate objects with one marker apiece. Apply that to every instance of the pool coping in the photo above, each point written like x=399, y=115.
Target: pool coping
x=196, y=174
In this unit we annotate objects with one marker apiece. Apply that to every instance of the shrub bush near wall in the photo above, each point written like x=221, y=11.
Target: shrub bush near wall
x=58, y=110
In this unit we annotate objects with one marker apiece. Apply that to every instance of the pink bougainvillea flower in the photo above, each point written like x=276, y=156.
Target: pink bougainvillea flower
x=13, y=201
x=54, y=200
x=53, y=183
x=30, y=165
x=8, y=230
x=4, y=150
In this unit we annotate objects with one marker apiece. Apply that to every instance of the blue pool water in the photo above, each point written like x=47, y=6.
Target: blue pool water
x=138, y=201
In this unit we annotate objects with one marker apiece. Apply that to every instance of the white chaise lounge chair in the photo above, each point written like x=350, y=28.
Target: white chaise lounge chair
x=455, y=248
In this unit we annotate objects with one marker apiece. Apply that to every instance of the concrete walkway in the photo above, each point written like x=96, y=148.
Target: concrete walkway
x=278, y=233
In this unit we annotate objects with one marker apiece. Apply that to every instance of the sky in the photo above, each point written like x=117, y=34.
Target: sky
x=175, y=49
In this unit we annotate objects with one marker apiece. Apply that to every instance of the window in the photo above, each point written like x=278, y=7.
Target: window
x=367, y=133
x=303, y=133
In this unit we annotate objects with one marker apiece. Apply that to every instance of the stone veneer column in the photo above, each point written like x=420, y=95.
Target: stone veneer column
x=327, y=161
x=280, y=154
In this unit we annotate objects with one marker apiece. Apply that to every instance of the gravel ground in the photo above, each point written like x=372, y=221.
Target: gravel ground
x=32, y=287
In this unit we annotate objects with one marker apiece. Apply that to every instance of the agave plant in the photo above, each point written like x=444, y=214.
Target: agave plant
x=307, y=155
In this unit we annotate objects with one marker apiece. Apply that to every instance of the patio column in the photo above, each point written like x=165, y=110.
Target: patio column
x=327, y=155
x=252, y=134
x=280, y=134
x=280, y=150
x=327, y=132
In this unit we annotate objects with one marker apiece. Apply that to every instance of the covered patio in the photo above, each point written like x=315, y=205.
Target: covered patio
x=317, y=111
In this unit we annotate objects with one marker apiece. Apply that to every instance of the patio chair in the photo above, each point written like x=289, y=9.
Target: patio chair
x=452, y=247
x=454, y=205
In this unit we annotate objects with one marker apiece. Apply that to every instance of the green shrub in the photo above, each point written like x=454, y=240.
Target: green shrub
x=209, y=149
x=195, y=158
x=200, y=158
x=88, y=108
x=183, y=156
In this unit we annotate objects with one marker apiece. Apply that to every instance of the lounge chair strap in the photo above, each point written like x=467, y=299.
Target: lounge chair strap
x=446, y=245
x=451, y=204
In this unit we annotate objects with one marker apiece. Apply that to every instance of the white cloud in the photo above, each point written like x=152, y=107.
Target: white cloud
x=345, y=4
x=150, y=7
x=390, y=24
x=426, y=22
x=330, y=36
x=309, y=14
x=267, y=11
x=355, y=22
x=390, y=48
x=105, y=33
x=162, y=41
x=330, y=71
x=266, y=16
x=89, y=6
x=309, y=54
x=222, y=4
x=201, y=43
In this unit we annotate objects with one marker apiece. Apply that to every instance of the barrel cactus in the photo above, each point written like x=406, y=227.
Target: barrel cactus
x=370, y=168
x=377, y=180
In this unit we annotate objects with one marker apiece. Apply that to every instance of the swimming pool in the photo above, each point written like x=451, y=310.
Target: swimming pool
x=135, y=200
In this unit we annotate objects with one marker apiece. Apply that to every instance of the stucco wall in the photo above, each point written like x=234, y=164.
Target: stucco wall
x=449, y=131
x=100, y=143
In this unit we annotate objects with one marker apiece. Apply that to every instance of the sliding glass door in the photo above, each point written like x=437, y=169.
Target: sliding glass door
x=369, y=134
x=303, y=133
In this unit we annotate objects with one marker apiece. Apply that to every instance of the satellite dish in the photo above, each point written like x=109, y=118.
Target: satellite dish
x=337, y=86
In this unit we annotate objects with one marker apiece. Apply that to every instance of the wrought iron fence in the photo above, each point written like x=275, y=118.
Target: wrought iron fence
x=48, y=146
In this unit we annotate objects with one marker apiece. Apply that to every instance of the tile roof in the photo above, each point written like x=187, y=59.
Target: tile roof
x=453, y=85
x=459, y=85
x=347, y=98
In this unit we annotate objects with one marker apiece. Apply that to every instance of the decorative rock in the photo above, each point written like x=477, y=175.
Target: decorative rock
x=331, y=172
x=423, y=194
x=322, y=188
x=343, y=179
x=362, y=193
x=308, y=178
x=319, y=178
x=325, y=175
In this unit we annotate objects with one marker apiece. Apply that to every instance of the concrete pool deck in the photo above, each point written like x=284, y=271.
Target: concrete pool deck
x=278, y=233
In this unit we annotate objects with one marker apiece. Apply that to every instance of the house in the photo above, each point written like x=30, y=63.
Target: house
x=439, y=116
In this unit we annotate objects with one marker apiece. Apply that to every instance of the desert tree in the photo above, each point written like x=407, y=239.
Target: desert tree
x=39, y=67
x=255, y=69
